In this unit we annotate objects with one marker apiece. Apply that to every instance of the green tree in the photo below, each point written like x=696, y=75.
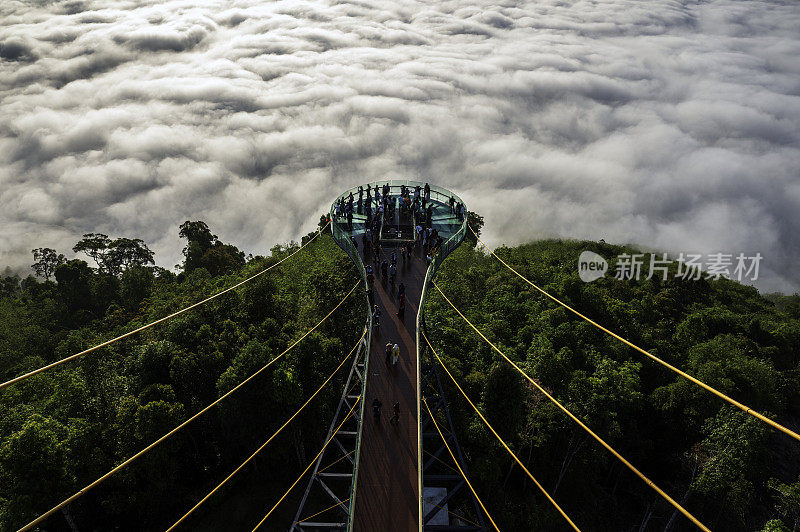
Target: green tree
x=32, y=469
x=732, y=453
x=96, y=246
x=503, y=397
x=475, y=221
x=204, y=250
x=136, y=285
x=126, y=252
x=75, y=287
x=46, y=262
x=787, y=497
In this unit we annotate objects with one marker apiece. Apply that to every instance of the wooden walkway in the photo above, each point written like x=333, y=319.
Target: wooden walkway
x=387, y=494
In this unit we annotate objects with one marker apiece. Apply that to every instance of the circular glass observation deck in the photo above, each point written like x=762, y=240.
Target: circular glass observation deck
x=401, y=207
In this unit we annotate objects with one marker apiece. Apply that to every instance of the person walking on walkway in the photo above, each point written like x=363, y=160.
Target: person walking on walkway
x=376, y=409
x=396, y=417
x=376, y=317
x=392, y=273
x=401, y=307
x=388, y=352
x=395, y=355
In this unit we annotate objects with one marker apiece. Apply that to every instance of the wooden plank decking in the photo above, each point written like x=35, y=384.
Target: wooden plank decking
x=387, y=493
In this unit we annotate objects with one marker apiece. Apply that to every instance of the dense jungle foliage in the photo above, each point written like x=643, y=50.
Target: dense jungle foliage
x=62, y=429
x=730, y=470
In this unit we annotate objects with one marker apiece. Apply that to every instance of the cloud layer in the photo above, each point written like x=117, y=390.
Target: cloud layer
x=671, y=124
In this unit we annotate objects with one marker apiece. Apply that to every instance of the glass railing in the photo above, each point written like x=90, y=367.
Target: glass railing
x=342, y=237
x=442, y=195
x=447, y=247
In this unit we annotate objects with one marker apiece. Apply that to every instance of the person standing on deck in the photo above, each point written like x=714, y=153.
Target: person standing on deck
x=388, y=352
x=376, y=317
x=392, y=273
x=427, y=191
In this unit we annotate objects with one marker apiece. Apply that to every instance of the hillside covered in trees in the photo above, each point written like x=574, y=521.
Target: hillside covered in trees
x=727, y=468
x=62, y=429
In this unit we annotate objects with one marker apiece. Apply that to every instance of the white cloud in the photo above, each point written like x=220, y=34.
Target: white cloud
x=671, y=124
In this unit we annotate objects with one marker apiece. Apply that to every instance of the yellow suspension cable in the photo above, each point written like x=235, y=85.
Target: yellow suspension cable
x=445, y=464
x=350, y=413
x=208, y=496
x=331, y=507
x=470, y=521
x=428, y=408
x=507, y=448
x=579, y=422
x=336, y=462
x=88, y=487
x=667, y=365
x=156, y=322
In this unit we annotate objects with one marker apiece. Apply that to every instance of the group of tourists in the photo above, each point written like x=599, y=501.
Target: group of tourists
x=430, y=241
x=378, y=206
x=392, y=354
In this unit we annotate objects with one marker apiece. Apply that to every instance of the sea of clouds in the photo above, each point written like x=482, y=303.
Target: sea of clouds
x=672, y=124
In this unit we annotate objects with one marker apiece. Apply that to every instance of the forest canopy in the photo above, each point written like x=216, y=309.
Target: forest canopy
x=62, y=429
